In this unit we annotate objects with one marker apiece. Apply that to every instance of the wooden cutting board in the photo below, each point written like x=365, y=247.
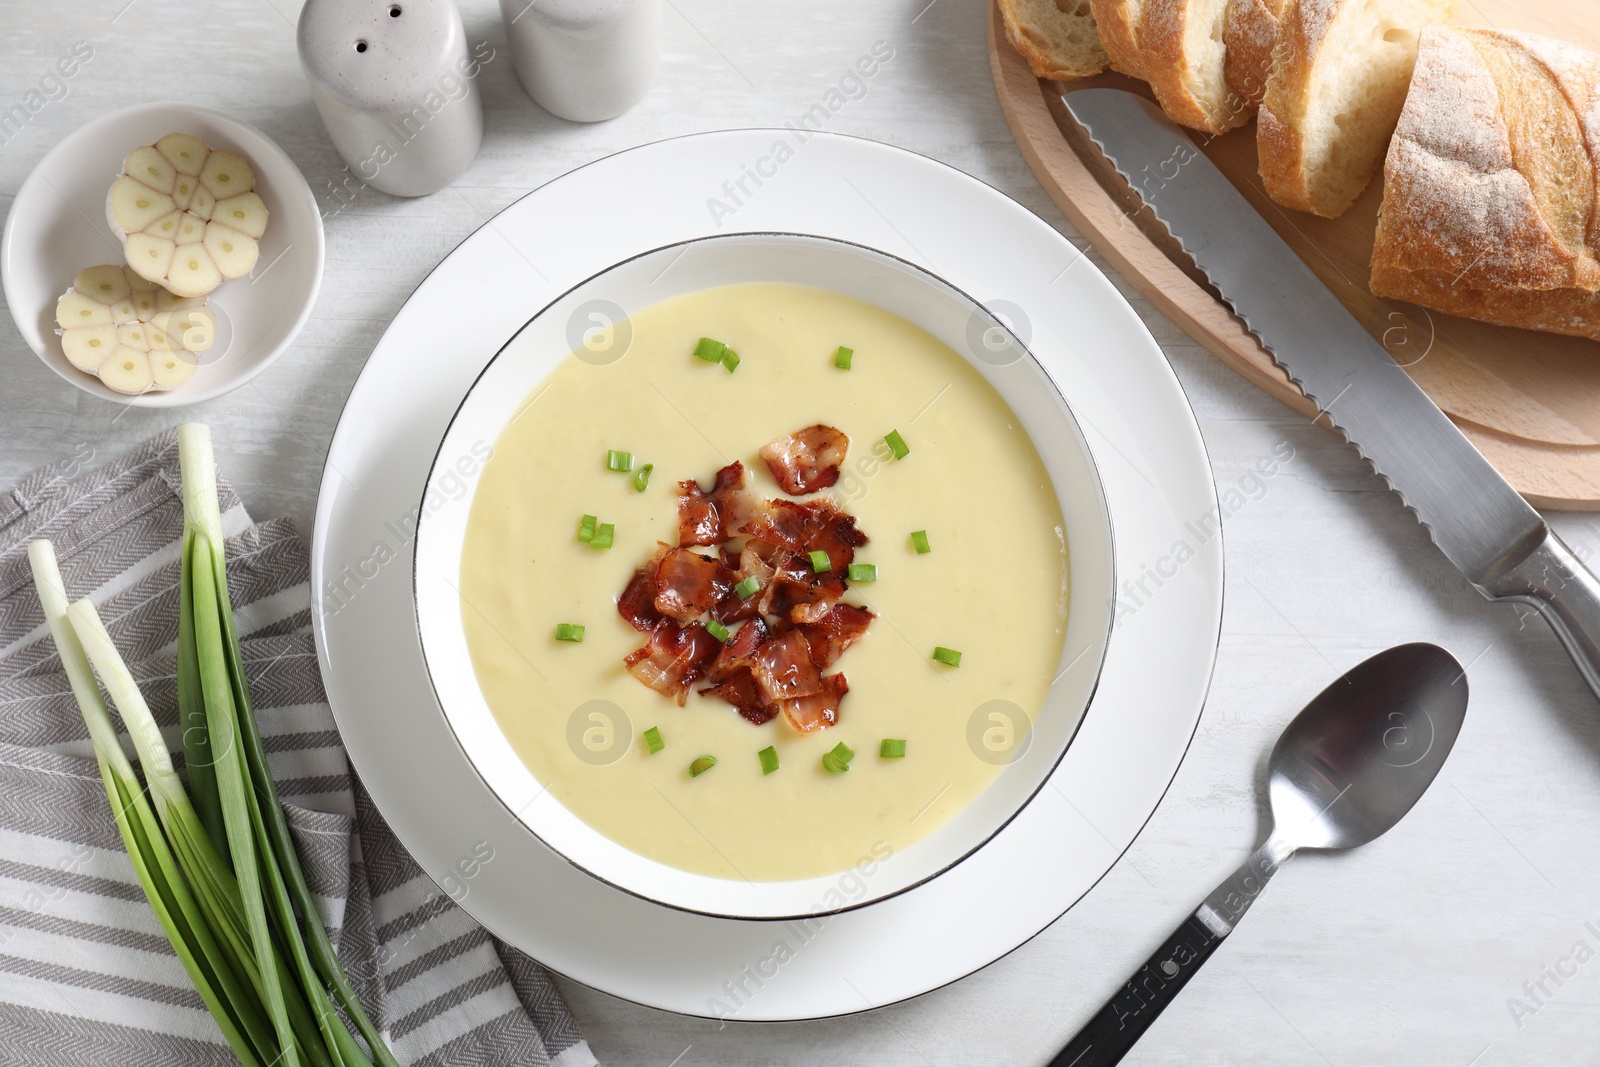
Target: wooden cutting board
x=1529, y=401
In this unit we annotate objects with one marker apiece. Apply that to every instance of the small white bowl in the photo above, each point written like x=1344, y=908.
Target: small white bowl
x=855, y=270
x=57, y=227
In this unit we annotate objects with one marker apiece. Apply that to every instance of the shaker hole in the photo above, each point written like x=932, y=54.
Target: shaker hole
x=394, y=12
x=361, y=46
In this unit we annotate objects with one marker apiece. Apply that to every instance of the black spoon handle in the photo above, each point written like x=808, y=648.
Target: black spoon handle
x=1128, y=1014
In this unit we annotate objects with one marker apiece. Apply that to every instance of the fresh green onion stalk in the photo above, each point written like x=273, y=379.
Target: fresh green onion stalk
x=216, y=861
x=213, y=883
x=253, y=816
x=230, y=1002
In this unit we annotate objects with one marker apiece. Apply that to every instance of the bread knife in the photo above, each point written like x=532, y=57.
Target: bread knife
x=1499, y=542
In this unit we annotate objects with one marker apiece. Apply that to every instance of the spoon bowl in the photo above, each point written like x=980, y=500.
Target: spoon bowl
x=1363, y=752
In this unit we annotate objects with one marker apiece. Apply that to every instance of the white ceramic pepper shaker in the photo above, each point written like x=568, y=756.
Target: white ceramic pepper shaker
x=585, y=60
x=396, y=88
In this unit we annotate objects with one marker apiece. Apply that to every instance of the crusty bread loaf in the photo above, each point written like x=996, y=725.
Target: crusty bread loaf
x=1118, y=23
x=1056, y=37
x=1249, y=30
x=1183, y=56
x=1491, y=205
x=1339, y=74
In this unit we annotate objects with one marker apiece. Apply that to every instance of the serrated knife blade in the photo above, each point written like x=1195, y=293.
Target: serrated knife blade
x=1481, y=524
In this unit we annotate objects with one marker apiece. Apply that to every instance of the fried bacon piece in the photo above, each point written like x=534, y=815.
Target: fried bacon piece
x=806, y=460
x=798, y=594
x=739, y=689
x=637, y=604
x=835, y=631
x=752, y=563
x=732, y=675
x=688, y=585
x=779, y=524
x=835, y=533
x=783, y=532
x=673, y=659
x=747, y=563
x=789, y=631
x=819, y=710
x=783, y=670
x=706, y=518
x=739, y=650
x=803, y=528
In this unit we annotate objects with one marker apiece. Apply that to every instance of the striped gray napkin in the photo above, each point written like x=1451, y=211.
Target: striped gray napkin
x=86, y=975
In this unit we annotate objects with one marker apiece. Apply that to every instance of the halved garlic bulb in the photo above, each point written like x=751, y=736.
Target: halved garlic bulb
x=187, y=214
x=132, y=333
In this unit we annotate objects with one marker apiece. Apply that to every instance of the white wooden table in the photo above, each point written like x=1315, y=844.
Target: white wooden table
x=1454, y=940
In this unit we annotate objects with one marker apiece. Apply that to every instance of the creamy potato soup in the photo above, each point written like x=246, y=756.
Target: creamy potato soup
x=977, y=617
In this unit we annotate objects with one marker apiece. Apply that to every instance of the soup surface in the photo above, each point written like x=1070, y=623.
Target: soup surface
x=993, y=584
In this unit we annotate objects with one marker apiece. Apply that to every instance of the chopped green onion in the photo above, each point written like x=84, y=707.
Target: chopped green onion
x=820, y=563
x=710, y=350
x=619, y=461
x=586, y=528
x=919, y=541
x=841, y=358
x=769, y=759
x=863, y=572
x=892, y=748
x=641, y=477
x=730, y=359
x=569, y=631
x=748, y=588
x=837, y=760
x=716, y=629
x=948, y=656
x=701, y=766
x=652, y=740
x=603, y=536
x=897, y=444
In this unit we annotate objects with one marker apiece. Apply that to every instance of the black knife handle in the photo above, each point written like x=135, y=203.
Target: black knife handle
x=1127, y=1015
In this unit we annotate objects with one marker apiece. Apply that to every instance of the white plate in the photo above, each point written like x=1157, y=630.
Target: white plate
x=57, y=226
x=1146, y=446
x=948, y=314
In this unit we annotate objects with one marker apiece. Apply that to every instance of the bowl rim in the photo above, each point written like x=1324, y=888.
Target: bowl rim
x=1101, y=509
x=165, y=398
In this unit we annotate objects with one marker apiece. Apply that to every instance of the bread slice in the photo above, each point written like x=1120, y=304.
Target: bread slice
x=1118, y=23
x=1056, y=37
x=1249, y=30
x=1573, y=312
x=1339, y=74
x=1183, y=56
x=1491, y=204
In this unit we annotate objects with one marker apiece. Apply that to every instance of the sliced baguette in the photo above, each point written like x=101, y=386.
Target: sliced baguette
x=1249, y=30
x=1056, y=37
x=1183, y=57
x=1118, y=23
x=1339, y=74
x=1573, y=312
x=1550, y=103
x=1491, y=204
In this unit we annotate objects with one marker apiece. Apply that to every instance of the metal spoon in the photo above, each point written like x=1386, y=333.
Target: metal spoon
x=1345, y=770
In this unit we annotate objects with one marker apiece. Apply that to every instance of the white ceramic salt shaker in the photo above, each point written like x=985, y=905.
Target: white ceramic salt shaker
x=396, y=88
x=585, y=60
